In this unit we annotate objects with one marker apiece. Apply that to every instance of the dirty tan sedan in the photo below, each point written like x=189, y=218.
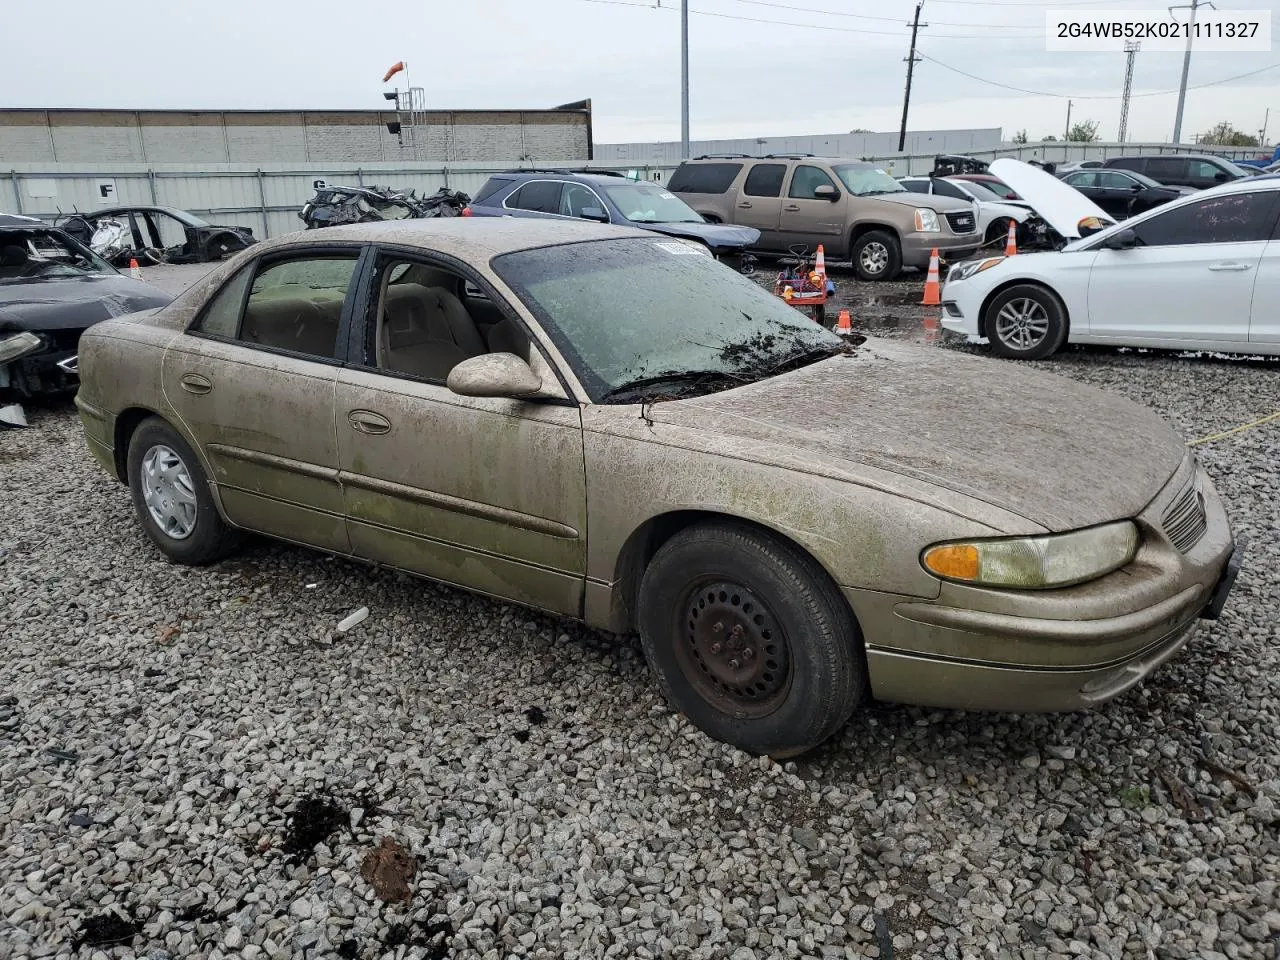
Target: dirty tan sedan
x=610, y=425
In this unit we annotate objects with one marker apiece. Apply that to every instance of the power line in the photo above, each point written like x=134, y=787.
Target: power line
x=809, y=26
x=1078, y=96
x=868, y=16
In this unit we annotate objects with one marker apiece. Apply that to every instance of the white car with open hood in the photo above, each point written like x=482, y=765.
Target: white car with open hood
x=1198, y=273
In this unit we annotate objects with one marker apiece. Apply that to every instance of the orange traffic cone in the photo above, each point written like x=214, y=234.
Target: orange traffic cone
x=932, y=285
x=844, y=326
x=820, y=263
x=133, y=269
x=1011, y=245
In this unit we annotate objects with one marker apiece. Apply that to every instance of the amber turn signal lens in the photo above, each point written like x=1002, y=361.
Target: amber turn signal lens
x=956, y=561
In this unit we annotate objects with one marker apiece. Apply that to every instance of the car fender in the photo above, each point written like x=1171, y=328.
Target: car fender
x=864, y=527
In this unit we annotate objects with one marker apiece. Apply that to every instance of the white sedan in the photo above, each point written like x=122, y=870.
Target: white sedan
x=1199, y=273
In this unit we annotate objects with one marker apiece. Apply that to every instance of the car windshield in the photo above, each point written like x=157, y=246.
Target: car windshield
x=42, y=254
x=1239, y=170
x=866, y=180
x=650, y=203
x=659, y=319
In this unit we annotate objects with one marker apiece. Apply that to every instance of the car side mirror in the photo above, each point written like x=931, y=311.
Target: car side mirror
x=1220, y=177
x=1135, y=187
x=1121, y=240
x=594, y=213
x=494, y=375
x=826, y=192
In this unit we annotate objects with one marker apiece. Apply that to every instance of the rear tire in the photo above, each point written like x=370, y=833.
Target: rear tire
x=171, y=496
x=1025, y=322
x=750, y=639
x=876, y=255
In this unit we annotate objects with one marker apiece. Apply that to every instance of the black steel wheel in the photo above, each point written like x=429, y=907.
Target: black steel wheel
x=750, y=639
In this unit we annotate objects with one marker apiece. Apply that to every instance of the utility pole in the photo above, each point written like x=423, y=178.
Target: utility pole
x=1067, y=133
x=684, y=79
x=912, y=60
x=1130, y=48
x=1262, y=134
x=1186, y=62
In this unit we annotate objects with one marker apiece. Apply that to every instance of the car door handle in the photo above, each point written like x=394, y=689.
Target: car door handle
x=792, y=206
x=194, y=383
x=1228, y=267
x=366, y=421
x=745, y=205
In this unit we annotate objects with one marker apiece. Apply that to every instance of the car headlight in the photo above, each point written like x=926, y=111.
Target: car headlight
x=926, y=221
x=18, y=345
x=963, y=271
x=1035, y=563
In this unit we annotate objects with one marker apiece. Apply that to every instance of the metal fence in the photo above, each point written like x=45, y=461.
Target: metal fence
x=268, y=198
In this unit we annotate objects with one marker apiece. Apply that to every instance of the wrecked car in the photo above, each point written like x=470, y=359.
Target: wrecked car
x=606, y=424
x=52, y=289
x=335, y=205
x=160, y=235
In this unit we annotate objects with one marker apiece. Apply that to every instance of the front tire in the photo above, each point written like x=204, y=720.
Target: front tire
x=171, y=496
x=1026, y=322
x=750, y=639
x=876, y=255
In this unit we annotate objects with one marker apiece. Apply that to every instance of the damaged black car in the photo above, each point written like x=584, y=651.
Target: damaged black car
x=153, y=234
x=53, y=288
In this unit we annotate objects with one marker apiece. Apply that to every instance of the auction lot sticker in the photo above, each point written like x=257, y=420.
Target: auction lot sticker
x=1086, y=31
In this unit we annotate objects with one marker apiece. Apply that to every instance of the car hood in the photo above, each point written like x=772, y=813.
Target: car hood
x=1061, y=204
x=75, y=303
x=1053, y=451
x=933, y=202
x=718, y=236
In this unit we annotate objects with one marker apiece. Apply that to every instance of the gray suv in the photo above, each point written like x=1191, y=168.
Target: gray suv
x=853, y=208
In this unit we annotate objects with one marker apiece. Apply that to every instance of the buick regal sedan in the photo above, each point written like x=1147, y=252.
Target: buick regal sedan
x=612, y=426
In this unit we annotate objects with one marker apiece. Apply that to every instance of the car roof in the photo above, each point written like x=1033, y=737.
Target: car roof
x=140, y=207
x=18, y=220
x=574, y=175
x=477, y=238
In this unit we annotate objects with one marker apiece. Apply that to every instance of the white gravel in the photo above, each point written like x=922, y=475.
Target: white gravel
x=159, y=726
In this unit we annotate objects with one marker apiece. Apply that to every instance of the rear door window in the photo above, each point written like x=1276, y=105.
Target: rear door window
x=944, y=189
x=1165, y=168
x=703, y=177
x=765, y=180
x=1234, y=218
x=538, y=196
x=1131, y=163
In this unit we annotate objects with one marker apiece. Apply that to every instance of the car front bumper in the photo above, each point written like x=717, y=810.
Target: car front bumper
x=962, y=307
x=917, y=247
x=1055, y=650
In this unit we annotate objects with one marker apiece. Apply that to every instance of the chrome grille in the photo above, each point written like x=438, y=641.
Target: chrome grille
x=961, y=222
x=1185, y=521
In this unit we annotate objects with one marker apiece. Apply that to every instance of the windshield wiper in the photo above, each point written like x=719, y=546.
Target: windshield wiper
x=673, y=382
x=808, y=355
x=876, y=193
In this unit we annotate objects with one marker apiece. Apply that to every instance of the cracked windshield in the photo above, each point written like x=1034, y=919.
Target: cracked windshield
x=659, y=319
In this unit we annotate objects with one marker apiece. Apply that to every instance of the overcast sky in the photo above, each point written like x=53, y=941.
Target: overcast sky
x=797, y=73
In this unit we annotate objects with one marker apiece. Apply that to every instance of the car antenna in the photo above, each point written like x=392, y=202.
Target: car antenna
x=644, y=412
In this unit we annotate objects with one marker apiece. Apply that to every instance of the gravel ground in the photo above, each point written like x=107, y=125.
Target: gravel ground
x=194, y=763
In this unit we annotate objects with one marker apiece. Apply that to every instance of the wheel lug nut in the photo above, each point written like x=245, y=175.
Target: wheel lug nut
x=719, y=627
x=733, y=664
x=748, y=653
x=717, y=647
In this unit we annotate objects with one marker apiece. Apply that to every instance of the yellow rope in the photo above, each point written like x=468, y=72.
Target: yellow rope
x=1227, y=433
